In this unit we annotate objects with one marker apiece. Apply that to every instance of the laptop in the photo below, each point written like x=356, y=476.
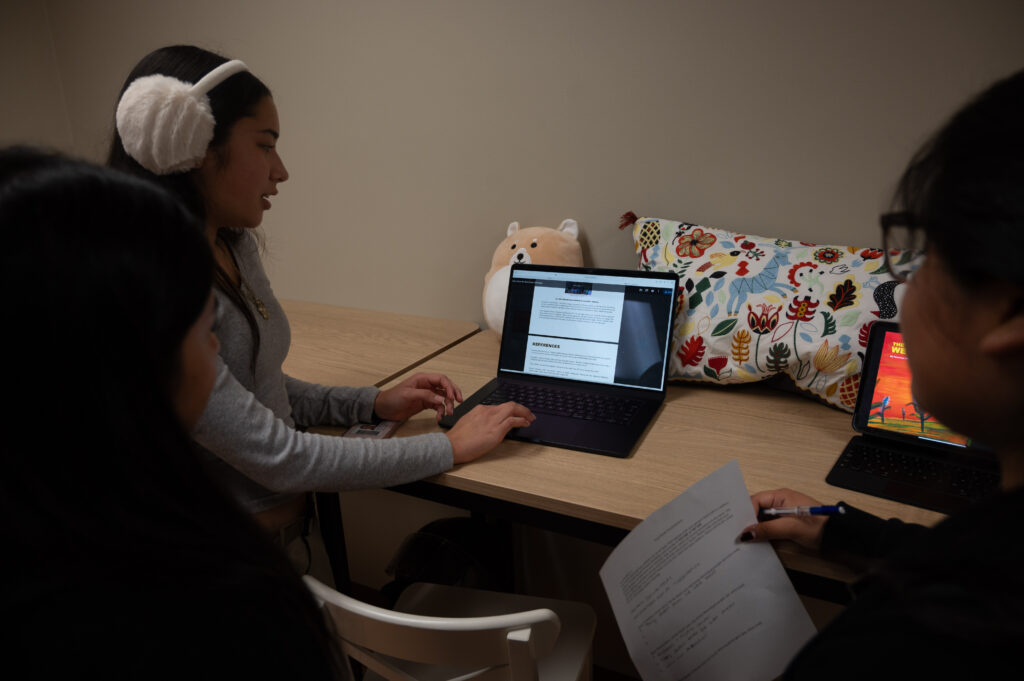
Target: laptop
x=586, y=350
x=902, y=452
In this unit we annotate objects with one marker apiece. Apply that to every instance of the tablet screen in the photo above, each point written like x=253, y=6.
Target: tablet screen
x=885, y=402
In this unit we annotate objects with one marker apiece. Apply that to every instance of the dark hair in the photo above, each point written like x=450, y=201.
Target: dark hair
x=235, y=98
x=107, y=267
x=965, y=187
x=106, y=504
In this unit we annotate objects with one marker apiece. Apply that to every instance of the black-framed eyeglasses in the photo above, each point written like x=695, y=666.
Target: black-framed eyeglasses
x=903, y=242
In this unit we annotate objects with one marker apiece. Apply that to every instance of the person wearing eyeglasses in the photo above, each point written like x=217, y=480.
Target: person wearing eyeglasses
x=947, y=601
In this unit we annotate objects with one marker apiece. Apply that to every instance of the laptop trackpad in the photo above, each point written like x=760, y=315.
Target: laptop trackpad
x=551, y=429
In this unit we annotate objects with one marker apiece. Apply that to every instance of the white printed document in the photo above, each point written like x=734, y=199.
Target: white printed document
x=693, y=602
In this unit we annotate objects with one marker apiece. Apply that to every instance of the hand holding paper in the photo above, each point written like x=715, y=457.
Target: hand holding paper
x=692, y=602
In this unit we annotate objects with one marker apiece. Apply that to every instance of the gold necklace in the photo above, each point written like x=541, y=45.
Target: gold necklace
x=257, y=303
x=243, y=285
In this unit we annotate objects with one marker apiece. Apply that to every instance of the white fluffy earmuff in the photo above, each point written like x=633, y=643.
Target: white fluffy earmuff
x=166, y=124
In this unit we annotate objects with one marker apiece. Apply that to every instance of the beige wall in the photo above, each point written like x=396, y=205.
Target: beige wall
x=32, y=107
x=415, y=131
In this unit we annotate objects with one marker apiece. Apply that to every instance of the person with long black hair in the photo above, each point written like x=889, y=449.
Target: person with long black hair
x=123, y=558
x=945, y=602
x=207, y=129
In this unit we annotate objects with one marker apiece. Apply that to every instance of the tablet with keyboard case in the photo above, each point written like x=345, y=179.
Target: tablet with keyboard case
x=902, y=452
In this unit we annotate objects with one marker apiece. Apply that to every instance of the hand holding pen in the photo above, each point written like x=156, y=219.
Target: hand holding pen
x=802, y=511
x=787, y=514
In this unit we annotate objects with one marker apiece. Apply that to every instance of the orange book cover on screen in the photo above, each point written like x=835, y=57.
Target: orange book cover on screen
x=893, y=406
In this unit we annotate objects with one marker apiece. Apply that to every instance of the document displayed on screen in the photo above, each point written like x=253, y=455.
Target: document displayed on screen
x=692, y=602
x=574, y=331
x=565, y=358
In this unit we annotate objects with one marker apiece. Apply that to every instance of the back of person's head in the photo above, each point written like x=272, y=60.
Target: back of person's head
x=234, y=98
x=107, y=273
x=107, y=508
x=965, y=187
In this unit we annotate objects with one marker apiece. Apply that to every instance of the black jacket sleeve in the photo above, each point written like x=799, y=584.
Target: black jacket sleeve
x=857, y=534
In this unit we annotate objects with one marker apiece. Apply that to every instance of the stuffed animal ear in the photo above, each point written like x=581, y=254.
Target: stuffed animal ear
x=570, y=226
x=513, y=227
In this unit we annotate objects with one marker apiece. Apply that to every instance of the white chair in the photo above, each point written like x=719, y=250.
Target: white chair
x=456, y=634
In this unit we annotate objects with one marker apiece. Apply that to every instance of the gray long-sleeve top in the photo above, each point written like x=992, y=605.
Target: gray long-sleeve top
x=248, y=429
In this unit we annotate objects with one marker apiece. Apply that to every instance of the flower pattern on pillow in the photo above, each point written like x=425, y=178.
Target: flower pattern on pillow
x=750, y=307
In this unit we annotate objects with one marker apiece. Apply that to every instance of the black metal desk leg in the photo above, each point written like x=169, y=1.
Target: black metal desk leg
x=329, y=512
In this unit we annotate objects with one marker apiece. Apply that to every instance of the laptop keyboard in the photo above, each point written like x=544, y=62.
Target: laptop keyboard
x=541, y=399
x=931, y=482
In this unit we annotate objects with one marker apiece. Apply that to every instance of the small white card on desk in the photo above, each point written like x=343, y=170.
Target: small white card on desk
x=693, y=602
x=373, y=430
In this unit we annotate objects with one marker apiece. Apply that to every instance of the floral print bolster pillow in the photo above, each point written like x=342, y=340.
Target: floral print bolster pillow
x=750, y=307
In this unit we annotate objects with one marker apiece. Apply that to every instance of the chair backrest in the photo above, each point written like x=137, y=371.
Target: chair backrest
x=499, y=646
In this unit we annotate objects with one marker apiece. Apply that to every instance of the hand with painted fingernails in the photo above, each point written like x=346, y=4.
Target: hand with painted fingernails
x=804, y=530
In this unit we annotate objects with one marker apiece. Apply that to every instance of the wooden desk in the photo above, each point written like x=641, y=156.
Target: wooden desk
x=780, y=439
x=334, y=345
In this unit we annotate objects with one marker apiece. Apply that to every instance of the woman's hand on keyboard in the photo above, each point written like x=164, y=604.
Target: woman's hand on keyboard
x=416, y=393
x=484, y=427
x=804, y=530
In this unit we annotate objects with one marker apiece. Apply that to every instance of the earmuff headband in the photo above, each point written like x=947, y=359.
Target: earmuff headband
x=218, y=76
x=166, y=124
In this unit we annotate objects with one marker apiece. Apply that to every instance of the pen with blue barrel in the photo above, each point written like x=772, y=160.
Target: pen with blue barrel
x=803, y=511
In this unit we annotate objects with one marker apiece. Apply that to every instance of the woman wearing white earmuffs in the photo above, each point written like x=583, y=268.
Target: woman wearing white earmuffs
x=207, y=128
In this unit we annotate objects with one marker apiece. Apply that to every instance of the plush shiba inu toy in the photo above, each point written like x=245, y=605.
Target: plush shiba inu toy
x=537, y=245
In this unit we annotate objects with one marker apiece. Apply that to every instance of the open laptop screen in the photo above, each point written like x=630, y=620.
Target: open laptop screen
x=598, y=326
x=886, y=405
